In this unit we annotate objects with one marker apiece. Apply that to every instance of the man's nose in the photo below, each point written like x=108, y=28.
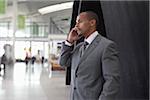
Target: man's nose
x=76, y=25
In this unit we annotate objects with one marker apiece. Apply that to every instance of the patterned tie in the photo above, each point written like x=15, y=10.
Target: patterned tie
x=83, y=48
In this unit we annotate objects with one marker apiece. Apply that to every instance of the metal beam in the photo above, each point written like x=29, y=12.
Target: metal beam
x=42, y=39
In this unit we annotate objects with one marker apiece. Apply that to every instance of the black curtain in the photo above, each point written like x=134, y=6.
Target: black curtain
x=126, y=23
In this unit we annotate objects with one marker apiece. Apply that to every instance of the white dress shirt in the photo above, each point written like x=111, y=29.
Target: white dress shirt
x=91, y=38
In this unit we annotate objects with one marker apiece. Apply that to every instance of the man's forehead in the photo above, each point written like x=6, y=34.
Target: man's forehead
x=81, y=16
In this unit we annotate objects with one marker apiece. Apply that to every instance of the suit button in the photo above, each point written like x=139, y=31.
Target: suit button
x=75, y=88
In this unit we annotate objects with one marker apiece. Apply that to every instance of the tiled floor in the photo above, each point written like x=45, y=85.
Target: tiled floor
x=28, y=83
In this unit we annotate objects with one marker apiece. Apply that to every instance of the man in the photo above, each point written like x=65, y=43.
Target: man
x=95, y=71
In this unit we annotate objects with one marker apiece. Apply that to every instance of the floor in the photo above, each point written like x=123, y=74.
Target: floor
x=33, y=82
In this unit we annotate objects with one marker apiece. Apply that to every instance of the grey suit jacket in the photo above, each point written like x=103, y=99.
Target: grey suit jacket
x=96, y=75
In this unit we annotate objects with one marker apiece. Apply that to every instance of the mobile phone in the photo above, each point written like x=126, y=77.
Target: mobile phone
x=79, y=34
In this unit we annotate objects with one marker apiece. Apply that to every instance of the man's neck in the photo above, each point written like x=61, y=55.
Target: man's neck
x=89, y=33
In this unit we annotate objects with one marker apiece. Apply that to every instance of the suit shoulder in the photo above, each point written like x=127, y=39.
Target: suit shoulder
x=105, y=43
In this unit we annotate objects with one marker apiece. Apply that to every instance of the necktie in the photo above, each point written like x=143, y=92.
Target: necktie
x=83, y=48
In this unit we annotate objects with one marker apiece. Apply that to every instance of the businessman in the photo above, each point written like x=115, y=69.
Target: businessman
x=95, y=73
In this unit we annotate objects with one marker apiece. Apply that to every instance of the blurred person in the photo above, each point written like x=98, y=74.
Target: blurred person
x=7, y=58
x=33, y=60
x=27, y=59
x=42, y=60
x=38, y=57
x=95, y=73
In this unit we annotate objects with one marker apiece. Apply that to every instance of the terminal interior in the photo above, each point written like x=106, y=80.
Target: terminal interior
x=31, y=39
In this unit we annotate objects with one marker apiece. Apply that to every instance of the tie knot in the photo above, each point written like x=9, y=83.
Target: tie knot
x=85, y=43
x=83, y=47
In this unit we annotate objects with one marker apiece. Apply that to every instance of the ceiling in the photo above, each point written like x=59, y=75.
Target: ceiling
x=30, y=9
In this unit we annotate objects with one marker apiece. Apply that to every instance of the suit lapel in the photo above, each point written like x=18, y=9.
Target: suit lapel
x=90, y=49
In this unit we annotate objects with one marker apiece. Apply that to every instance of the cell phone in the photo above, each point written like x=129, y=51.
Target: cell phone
x=78, y=33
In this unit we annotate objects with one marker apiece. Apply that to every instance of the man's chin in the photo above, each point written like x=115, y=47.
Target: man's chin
x=79, y=33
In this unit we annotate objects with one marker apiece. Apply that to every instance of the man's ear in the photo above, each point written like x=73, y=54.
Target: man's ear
x=93, y=22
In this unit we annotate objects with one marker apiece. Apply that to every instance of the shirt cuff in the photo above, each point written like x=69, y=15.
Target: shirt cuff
x=68, y=44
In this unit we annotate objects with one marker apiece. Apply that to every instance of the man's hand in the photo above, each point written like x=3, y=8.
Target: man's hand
x=73, y=35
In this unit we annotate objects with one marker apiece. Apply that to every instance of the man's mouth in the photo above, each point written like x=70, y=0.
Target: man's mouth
x=79, y=32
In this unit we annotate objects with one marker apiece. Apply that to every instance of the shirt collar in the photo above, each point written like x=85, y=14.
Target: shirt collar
x=91, y=37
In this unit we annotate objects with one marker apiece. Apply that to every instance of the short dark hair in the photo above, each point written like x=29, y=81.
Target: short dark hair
x=92, y=15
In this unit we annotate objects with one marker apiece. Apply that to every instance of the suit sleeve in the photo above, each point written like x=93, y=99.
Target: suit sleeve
x=66, y=55
x=111, y=73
